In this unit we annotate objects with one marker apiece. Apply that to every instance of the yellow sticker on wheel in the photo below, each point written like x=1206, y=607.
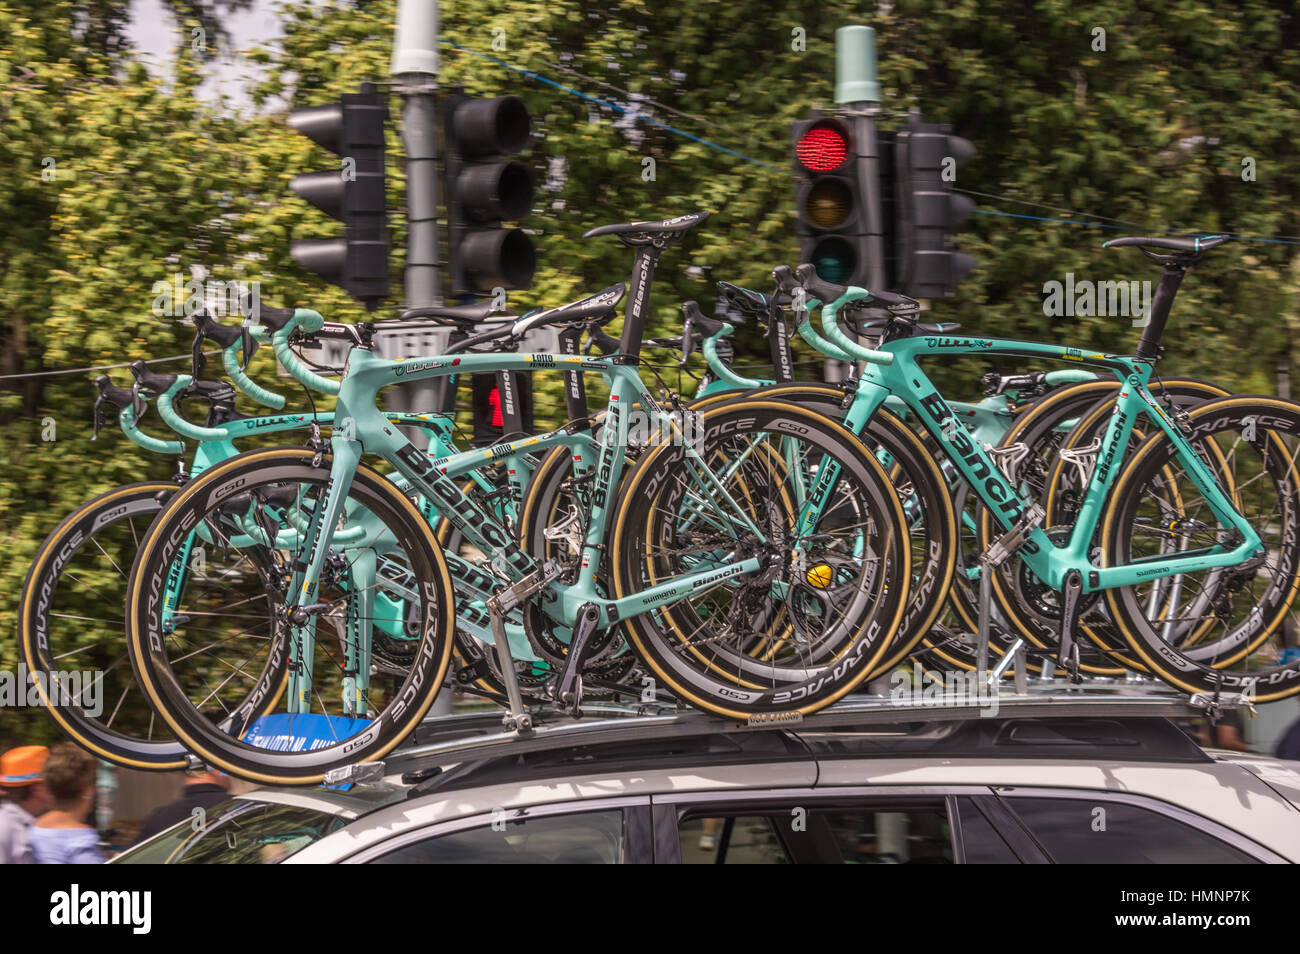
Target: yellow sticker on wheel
x=820, y=576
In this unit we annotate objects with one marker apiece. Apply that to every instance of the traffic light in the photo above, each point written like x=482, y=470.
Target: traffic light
x=353, y=129
x=498, y=415
x=486, y=190
x=927, y=212
x=831, y=223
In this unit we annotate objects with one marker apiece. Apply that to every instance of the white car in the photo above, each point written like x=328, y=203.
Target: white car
x=1048, y=779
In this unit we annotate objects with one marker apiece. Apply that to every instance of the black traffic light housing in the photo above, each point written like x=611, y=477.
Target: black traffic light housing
x=830, y=214
x=927, y=212
x=353, y=129
x=484, y=190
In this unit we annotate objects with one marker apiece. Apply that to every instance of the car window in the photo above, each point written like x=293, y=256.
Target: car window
x=588, y=838
x=848, y=834
x=901, y=837
x=980, y=840
x=731, y=840
x=237, y=833
x=1086, y=831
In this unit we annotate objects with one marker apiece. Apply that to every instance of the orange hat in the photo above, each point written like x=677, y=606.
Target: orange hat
x=23, y=765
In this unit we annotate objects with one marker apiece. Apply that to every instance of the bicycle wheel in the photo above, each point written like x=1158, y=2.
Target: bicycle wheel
x=922, y=490
x=1229, y=629
x=1054, y=423
x=256, y=513
x=607, y=674
x=71, y=625
x=1064, y=486
x=805, y=498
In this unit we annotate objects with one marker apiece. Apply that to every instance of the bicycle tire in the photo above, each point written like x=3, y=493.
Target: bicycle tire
x=411, y=699
x=863, y=633
x=35, y=607
x=934, y=554
x=1172, y=663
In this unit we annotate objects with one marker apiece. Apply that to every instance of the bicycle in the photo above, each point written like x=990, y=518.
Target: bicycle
x=1136, y=548
x=91, y=546
x=829, y=552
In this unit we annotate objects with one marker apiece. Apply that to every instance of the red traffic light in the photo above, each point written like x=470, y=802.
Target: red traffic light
x=823, y=148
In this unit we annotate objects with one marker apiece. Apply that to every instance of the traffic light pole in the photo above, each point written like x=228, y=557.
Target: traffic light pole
x=419, y=135
x=415, y=69
x=857, y=92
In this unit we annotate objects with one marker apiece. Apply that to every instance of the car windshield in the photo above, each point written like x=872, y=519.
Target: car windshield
x=237, y=832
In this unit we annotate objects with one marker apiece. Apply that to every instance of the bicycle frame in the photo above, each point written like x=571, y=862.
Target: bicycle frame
x=366, y=374
x=904, y=378
x=215, y=444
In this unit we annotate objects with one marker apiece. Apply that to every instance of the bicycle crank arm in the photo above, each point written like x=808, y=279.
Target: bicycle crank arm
x=568, y=685
x=1068, y=651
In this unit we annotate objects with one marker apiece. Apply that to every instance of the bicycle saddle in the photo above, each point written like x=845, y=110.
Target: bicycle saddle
x=465, y=316
x=918, y=329
x=1190, y=245
x=645, y=233
x=600, y=308
x=745, y=300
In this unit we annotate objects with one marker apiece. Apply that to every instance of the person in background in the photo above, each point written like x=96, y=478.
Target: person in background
x=61, y=836
x=1289, y=746
x=26, y=797
x=204, y=788
x=1230, y=732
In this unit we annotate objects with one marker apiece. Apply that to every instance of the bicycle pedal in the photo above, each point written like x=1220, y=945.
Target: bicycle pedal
x=1011, y=541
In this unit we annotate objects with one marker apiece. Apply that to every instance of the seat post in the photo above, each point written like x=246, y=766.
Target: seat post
x=778, y=341
x=444, y=388
x=1149, y=345
x=638, y=302
x=575, y=387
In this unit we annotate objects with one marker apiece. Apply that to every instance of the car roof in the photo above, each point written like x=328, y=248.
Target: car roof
x=466, y=767
x=1281, y=775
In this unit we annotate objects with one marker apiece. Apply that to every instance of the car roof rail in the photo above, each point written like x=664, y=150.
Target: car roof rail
x=475, y=737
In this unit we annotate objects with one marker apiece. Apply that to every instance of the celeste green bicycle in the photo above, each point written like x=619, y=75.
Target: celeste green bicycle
x=1192, y=542
x=757, y=520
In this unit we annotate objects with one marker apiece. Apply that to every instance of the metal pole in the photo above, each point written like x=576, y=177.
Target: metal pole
x=857, y=90
x=415, y=70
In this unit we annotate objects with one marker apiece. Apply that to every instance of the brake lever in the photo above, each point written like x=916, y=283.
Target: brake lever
x=597, y=340
x=198, y=360
x=137, y=402
x=248, y=346
x=688, y=340
x=98, y=421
